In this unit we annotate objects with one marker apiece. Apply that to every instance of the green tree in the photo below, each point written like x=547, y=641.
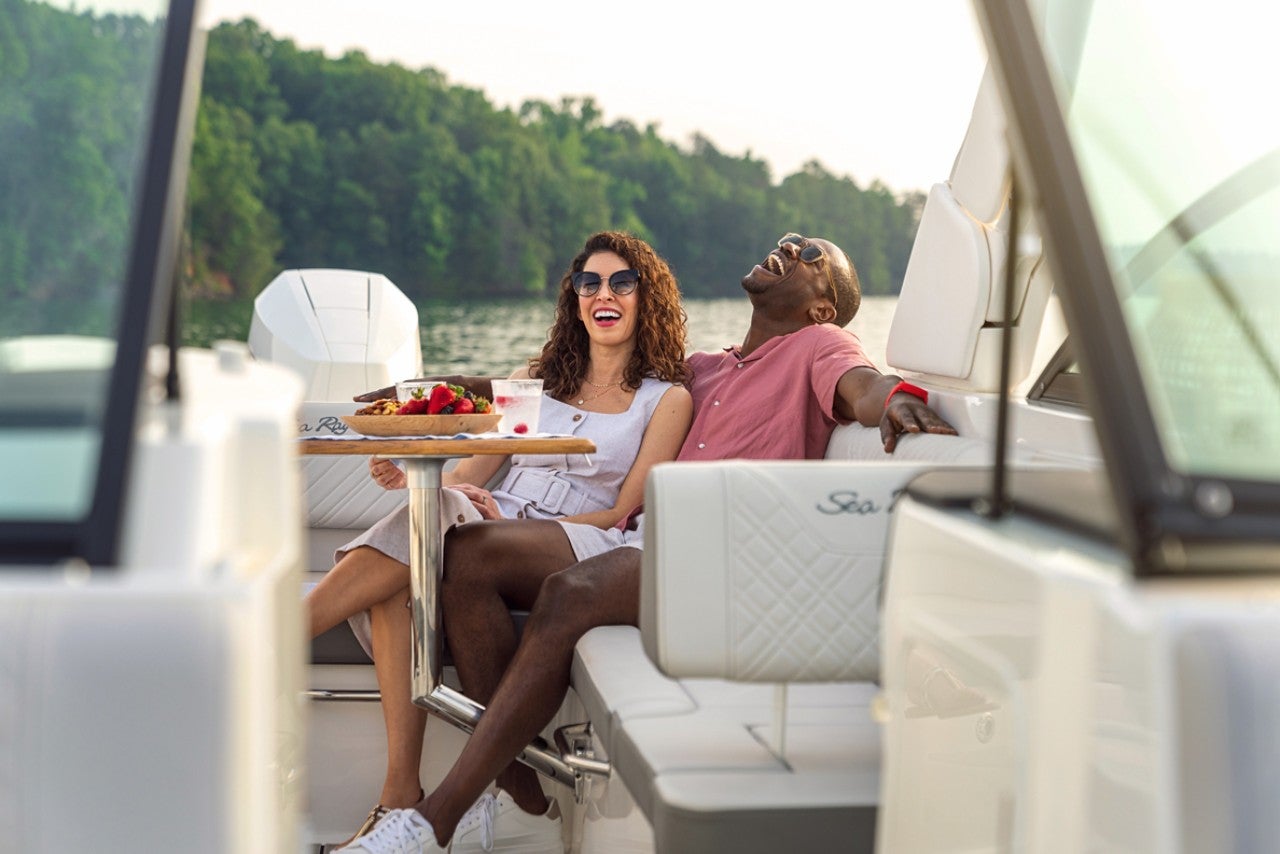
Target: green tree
x=310, y=161
x=234, y=237
x=64, y=208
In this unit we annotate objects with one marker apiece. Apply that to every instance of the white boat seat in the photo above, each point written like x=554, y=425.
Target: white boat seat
x=712, y=779
x=689, y=748
x=616, y=681
x=788, y=562
x=731, y=605
x=962, y=243
x=618, y=686
x=854, y=442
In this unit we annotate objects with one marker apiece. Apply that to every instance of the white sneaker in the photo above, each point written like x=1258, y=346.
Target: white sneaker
x=400, y=832
x=497, y=824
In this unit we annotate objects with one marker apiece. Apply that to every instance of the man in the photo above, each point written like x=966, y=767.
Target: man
x=778, y=396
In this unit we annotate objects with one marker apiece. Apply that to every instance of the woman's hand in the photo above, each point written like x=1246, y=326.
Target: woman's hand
x=481, y=499
x=387, y=474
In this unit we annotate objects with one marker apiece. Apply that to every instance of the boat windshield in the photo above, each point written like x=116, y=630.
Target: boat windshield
x=80, y=118
x=1177, y=139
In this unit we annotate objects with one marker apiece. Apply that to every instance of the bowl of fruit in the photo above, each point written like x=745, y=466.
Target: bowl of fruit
x=431, y=410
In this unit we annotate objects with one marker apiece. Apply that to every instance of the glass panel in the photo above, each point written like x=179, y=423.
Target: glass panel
x=76, y=86
x=1172, y=118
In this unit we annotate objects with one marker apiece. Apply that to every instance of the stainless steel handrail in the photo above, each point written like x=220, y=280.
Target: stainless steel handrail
x=464, y=713
x=342, y=695
x=566, y=764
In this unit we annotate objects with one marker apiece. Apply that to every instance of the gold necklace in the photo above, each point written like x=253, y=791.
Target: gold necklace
x=604, y=390
x=618, y=381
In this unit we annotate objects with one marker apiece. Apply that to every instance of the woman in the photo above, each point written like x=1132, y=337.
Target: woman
x=611, y=371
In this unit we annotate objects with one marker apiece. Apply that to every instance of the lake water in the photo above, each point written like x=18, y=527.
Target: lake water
x=493, y=339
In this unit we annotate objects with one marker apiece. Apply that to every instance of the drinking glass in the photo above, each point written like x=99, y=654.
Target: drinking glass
x=404, y=390
x=518, y=402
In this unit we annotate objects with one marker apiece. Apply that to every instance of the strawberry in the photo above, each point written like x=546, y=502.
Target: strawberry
x=463, y=406
x=441, y=396
x=520, y=428
x=481, y=404
x=414, y=406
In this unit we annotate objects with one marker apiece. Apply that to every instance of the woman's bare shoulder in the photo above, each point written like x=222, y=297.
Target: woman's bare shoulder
x=677, y=396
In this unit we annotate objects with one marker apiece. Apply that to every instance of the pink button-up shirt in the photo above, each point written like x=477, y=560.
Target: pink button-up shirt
x=775, y=404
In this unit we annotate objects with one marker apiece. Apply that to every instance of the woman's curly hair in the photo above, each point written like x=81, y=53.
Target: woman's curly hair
x=660, y=322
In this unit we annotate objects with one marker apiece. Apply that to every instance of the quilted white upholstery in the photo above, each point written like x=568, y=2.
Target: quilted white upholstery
x=338, y=490
x=340, y=493
x=767, y=571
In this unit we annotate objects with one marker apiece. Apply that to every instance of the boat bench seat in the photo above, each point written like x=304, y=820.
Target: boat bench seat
x=757, y=575
x=699, y=757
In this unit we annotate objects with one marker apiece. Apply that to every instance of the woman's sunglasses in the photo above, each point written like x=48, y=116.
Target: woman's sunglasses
x=621, y=283
x=811, y=253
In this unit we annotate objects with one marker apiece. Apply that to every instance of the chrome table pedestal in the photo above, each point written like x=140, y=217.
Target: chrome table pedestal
x=424, y=461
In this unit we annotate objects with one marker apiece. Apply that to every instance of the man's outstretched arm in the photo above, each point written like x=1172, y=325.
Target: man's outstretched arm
x=863, y=395
x=476, y=385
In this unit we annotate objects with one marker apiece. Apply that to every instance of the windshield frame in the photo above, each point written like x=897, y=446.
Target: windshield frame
x=1169, y=520
x=146, y=296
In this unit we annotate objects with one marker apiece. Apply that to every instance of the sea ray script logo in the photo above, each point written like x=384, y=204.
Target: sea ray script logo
x=848, y=501
x=328, y=424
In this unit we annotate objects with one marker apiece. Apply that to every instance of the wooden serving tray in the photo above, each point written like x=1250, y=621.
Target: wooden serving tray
x=421, y=425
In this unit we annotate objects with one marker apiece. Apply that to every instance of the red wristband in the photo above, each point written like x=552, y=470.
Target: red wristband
x=907, y=387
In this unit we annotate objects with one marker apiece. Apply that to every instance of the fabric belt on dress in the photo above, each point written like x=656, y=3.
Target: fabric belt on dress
x=549, y=492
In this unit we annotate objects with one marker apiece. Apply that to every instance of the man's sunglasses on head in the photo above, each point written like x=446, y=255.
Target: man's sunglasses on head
x=621, y=283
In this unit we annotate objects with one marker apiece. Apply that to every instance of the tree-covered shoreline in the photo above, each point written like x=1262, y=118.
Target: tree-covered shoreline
x=303, y=160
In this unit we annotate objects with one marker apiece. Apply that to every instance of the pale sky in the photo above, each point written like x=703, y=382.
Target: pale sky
x=871, y=88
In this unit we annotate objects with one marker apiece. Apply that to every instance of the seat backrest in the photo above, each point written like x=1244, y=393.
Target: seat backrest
x=767, y=571
x=946, y=326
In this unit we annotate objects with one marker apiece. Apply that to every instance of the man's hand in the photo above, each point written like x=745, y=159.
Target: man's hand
x=387, y=393
x=479, y=386
x=908, y=414
x=871, y=398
